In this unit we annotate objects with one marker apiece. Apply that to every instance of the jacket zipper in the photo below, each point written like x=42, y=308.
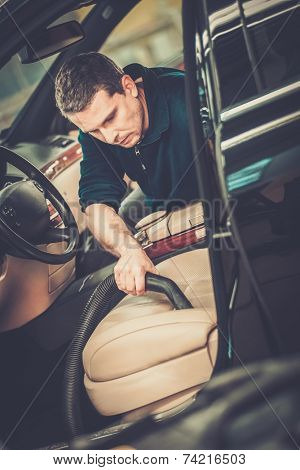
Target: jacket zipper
x=138, y=154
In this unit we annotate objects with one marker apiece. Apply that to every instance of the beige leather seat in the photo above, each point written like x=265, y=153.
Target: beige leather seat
x=145, y=357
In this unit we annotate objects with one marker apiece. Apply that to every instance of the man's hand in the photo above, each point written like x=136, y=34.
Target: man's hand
x=111, y=231
x=130, y=271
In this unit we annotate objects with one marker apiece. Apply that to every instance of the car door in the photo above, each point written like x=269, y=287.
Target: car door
x=246, y=54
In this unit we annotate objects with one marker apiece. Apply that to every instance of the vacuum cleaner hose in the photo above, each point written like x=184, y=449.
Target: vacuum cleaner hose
x=103, y=299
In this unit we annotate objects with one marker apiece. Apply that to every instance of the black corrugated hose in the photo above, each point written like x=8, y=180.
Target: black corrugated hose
x=103, y=299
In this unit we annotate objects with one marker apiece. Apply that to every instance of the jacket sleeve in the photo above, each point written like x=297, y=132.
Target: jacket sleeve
x=101, y=174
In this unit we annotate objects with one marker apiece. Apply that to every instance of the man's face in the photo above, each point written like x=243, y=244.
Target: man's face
x=119, y=119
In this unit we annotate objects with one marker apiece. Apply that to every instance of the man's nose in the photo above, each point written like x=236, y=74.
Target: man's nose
x=110, y=135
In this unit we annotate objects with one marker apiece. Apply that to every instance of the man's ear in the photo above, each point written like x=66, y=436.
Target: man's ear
x=129, y=86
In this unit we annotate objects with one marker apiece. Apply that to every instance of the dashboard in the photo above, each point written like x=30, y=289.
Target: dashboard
x=29, y=287
x=57, y=157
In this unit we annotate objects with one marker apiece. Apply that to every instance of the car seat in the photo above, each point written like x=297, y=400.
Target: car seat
x=145, y=357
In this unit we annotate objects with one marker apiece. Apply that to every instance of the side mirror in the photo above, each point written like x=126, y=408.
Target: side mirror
x=51, y=41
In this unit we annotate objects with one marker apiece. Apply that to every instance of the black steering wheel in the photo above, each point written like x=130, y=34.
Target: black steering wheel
x=25, y=218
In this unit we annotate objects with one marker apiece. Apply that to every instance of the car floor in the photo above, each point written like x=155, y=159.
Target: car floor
x=32, y=367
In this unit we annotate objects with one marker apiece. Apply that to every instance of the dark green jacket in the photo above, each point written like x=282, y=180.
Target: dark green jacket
x=162, y=163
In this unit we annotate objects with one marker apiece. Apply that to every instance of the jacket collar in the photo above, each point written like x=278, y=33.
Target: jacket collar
x=159, y=119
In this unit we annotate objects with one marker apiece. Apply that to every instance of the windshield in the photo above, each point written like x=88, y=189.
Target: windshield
x=17, y=82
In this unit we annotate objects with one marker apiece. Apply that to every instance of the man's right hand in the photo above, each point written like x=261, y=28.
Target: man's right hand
x=113, y=234
x=131, y=269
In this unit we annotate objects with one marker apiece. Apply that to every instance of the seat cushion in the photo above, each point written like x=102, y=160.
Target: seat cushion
x=160, y=225
x=150, y=219
x=144, y=351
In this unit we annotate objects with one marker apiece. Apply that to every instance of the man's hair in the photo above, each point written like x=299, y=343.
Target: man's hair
x=81, y=77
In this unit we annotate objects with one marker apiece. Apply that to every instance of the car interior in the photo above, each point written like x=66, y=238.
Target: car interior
x=146, y=356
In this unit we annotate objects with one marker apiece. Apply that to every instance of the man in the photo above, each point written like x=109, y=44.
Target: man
x=131, y=121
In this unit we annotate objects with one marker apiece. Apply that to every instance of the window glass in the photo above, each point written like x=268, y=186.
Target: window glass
x=150, y=34
x=18, y=81
x=276, y=44
x=256, y=46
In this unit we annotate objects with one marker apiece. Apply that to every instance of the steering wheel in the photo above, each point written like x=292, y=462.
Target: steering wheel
x=25, y=217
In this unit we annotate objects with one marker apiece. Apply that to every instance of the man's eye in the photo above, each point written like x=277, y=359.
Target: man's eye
x=110, y=118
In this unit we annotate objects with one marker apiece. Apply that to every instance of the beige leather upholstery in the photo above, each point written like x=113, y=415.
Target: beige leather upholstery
x=145, y=355
x=160, y=225
x=150, y=219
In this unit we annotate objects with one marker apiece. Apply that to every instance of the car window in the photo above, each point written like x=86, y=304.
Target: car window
x=18, y=81
x=276, y=45
x=256, y=47
x=150, y=34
